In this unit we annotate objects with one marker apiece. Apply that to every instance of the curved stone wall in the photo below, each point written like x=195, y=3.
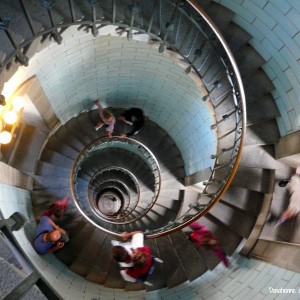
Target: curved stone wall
x=124, y=73
x=275, y=27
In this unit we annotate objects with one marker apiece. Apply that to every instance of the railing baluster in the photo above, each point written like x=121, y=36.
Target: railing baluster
x=28, y=17
x=21, y=57
x=114, y=12
x=72, y=10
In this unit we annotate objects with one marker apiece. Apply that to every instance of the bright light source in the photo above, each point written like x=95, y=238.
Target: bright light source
x=10, y=117
x=1, y=108
x=18, y=103
x=5, y=137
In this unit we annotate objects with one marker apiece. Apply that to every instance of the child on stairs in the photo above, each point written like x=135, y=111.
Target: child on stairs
x=203, y=237
x=106, y=118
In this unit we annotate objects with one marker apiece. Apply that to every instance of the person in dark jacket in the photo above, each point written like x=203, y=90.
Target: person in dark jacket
x=135, y=117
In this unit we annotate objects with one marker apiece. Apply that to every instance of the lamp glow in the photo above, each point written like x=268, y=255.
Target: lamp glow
x=5, y=137
x=1, y=108
x=10, y=117
x=18, y=103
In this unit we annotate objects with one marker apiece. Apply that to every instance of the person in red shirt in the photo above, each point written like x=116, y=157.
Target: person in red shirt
x=134, y=256
x=142, y=262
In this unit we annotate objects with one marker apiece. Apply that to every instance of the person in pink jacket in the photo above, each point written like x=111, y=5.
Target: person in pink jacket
x=57, y=209
x=106, y=118
x=203, y=237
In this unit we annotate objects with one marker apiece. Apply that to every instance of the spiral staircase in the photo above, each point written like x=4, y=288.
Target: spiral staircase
x=150, y=190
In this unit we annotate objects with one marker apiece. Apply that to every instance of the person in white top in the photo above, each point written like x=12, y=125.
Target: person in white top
x=124, y=256
x=294, y=206
x=106, y=118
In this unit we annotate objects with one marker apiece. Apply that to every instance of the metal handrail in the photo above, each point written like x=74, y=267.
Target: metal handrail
x=103, y=143
x=131, y=176
x=111, y=184
x=197, y=17
x=240, y=132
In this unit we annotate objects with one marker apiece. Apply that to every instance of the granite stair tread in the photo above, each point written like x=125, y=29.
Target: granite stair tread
x=172, y=268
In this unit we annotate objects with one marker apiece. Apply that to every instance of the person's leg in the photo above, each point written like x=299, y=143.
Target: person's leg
x=221, y=255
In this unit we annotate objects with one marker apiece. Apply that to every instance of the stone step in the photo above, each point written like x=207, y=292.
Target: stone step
x=57, y=145
x=69, y=138
x=220, y=15
x=191, y=260
x=261, y=110
x=54, y=181
x=88, y=125
x=260, y=134
x=169, y=203
x=74, y=128
x=55, y=158
x=232, y=218
x=264, y=177
x=47, y=169
x=236, y=37
x=28, y=148
x=256, y=86
x=114, y=278
x=101, y=265
x=172, y=268
x=45, y=195
x=261, y=157
x=244, y=199
x=265, y=133
x=177, y=173
x=78, y=234
x=249, y=61
x=172, y=184
x=82, y=127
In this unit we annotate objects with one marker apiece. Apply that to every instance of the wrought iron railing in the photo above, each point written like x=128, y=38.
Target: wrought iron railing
x=178, y=26
x=97, y=184
x=130, y=213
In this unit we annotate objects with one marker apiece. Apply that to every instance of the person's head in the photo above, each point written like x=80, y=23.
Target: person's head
x=56, y=210
x=120, y=254
x=53, y=236
x=139, y=259
x=107, y=115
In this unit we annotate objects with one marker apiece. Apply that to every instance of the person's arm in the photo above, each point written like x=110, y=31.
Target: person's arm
x=57, y=246
x=137, y=125
x=100, y=108
x=123, y=119
x=127, y=235
x=56, y=227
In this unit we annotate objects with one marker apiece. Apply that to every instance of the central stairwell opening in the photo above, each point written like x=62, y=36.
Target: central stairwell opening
x=140, y=184
x=116, y=182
